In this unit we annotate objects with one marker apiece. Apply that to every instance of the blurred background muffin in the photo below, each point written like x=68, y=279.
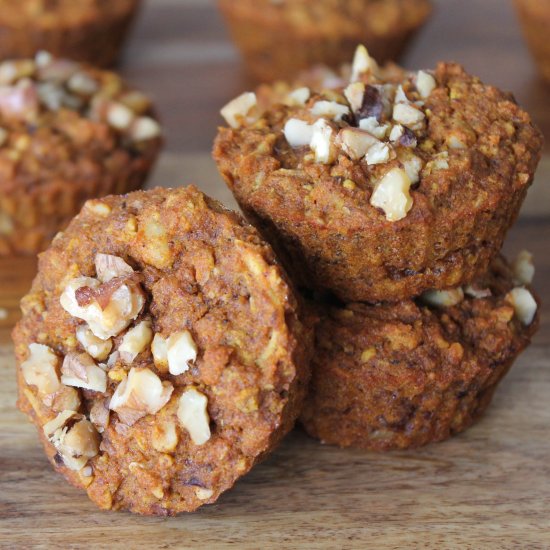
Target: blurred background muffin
x=85, y=30
x=534, y=16
x=278, y=38
x=68, y=133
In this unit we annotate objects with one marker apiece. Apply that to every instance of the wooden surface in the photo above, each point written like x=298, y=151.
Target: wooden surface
x=488, y=488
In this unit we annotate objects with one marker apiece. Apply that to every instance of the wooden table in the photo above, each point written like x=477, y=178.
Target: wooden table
x=488, y=488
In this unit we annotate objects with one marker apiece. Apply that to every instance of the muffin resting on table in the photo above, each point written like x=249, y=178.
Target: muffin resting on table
x=160, y=353
x=392, y=376
x=395, y=184
x=278, y=39
x=68, y=133
x=84, y=30
x=534, y=16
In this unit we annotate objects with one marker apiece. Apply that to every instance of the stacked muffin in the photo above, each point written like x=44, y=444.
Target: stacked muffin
x=390, y=198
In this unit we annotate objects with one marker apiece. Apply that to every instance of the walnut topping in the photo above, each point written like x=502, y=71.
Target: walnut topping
x=408, y=115
x=524, y=304
x=298, y=96
x=391, y=194
x=331, y=109
x=108, y=267
x=377, y=154
x=135, y=341
x=119, y=116
x=99, y=349
x=159, y=350
x=142, y=392
x=74, y=437
x=40, y=369
x=181, y=350
x=82, y=83
x=108, y=310
x=193, y=415
x=80, y=370
x=474, y=292
x=362, y=63
x=373, y=127
x=99, y=415
x=412, y=166
x=523, y=268
x=165, y=437
x=443, y=298
x=425, y=84
x=238, y=110
x=355, y=142
x=298, y=132
x=321, y=142
x=144, y=128
x=354, y=93
x=203, y=493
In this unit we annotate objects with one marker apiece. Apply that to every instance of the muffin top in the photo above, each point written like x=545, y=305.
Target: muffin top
x=392, y=145
x=56, y=112
x=162, y=322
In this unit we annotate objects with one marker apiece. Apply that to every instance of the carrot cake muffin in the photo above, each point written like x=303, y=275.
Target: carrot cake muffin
x=395, y=184
x=84, y=30
x=392, y=376
x=534, y=16
x=160, y=353
x=279, y=38
x=68, y=133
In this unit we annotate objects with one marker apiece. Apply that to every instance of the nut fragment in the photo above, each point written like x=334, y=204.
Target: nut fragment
x=408, y=115
x=181, y=350
x=135, y=341
x=425, y=83
x=238, y=109
x=99, y=415
x=354, y=94
x=40, y=369
x=203, y=493
x=474, y=292
x=119, y=116
x=331, y=109
x=378, y=153
x=298, y=132
x=443, y=298
x=80, y=370
x=160, y=352
x=412, y=166
x=108, y=267
x=362, y=63
x=373, y=127
x=144, y=128
x=524, y=304
x=193, y=415
x=298, y=96
x=165, y=437
x=321, y=142
x=391, y=194
x=74, y=437
x=356, y=142
x=99, y=349
x=142, y=392
x=524, y=268
x=123, y=306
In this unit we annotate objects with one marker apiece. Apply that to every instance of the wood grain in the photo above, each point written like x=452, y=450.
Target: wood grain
x=487, y=489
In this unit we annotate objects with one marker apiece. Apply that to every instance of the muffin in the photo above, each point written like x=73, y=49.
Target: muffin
x=68, y=133
x=534, y=17
x=396, y=184
x=280, y=38
x=393, y=376
x=84, y=30
x=160, y=353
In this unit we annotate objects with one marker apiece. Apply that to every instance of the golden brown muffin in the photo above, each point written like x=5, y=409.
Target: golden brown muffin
x=279, y=38
x=534, y=16
x=160, y=353
x=68, y=133
x=393, y=376
x=396, y=184
x=84, y=30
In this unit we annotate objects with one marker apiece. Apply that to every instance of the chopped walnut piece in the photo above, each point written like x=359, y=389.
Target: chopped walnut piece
x=159, y=350
x=135, y=341
x=122, y=306
x=109, y=267
x=373, y=127
x=321, y=142
x=355, y=142
x=379, y=153
x=524, y=268
x=412, y=165
x=331, y=109
x=203, y=493
x=80, y=370
x=408, y=116
x=181, y=350
x=298, y=96
x=525, y=306
x=474, y=292
x=298, y=132
x=141, y=393
x=238, y=109
x=391, y=194
x=99, y=349
x=425, y=84
x=74, y=437
x=40, y=369
x=362, y=63
x=193, y=415
x=354, y=93
x=443, y=298
x=99, y=415
x=144, y=128
x=165, y=437
x=119, y=116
